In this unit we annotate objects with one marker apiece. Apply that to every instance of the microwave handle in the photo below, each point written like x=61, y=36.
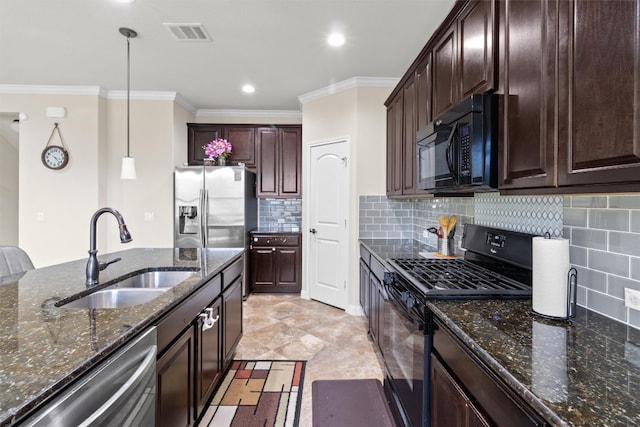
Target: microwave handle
x=450, y=148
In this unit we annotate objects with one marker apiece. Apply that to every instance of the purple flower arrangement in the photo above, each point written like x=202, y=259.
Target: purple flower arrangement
x=218, y=148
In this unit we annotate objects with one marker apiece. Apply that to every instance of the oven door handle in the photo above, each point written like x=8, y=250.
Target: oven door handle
x=396, y=300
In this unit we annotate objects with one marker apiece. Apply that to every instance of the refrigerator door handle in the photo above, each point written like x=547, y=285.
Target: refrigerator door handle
x=202, y=218
x=205, y=220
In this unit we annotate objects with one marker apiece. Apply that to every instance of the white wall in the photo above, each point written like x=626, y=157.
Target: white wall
x=54, y=206
x=360, y=115
x=94, y=131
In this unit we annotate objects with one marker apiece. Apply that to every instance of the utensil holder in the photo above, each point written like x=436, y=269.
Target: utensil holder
x=446, y=247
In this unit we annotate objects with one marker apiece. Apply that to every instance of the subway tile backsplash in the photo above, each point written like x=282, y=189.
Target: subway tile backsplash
x=279, y=215
x=603, y=230
x=606, y=228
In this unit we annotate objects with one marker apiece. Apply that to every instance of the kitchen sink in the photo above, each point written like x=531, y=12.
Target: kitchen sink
x=116, y=298
x=154, y=279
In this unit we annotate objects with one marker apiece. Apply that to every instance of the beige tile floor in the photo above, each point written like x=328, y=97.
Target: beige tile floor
x=334, y=343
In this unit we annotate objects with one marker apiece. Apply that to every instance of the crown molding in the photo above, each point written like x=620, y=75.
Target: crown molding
x=351, y=83
x=51, y=90
x=249, y=113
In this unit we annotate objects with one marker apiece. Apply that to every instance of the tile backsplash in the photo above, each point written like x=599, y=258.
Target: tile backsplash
x=603, y=233
x=279, y=214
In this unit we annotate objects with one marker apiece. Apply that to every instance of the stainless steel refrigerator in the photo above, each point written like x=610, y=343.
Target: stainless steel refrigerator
x=214, y=207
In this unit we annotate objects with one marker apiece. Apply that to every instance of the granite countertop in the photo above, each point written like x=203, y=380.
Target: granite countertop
x=586, y=372
x=44, y=347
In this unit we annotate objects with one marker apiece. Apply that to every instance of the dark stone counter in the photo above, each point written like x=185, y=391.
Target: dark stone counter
x=582, y=373
x=44, y=347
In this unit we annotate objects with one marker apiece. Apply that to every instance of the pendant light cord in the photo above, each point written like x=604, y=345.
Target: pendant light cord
x=128, y=88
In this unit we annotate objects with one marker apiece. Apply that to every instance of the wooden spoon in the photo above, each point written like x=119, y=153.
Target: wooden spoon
x=444, y=223
x=453, y=220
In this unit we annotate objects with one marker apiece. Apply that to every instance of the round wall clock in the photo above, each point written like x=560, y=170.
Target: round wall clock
x=55, y=157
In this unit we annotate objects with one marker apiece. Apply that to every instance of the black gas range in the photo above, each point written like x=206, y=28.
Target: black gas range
x=497, y=264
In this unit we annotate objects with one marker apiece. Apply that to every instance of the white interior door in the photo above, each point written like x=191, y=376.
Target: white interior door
x=328, y=239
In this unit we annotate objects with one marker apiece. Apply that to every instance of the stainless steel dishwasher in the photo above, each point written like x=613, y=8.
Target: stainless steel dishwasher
x=118, y=392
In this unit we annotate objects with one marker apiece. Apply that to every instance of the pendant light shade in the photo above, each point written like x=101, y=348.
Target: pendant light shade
x=128, y=170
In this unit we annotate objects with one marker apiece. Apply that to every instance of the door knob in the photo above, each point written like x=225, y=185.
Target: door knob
x=313, y=231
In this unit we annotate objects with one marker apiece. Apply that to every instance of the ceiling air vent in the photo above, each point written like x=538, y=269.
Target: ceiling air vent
x=188, y=32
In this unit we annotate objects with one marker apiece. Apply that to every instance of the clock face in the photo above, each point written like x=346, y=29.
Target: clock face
x=55, y=157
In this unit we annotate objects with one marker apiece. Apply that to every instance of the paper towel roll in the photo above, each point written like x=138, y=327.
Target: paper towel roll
x=550, y=266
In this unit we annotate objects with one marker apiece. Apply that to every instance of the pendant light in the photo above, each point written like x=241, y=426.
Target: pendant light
x=128, y=170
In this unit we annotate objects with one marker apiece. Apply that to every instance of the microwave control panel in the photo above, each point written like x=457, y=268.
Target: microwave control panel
x=465, y=149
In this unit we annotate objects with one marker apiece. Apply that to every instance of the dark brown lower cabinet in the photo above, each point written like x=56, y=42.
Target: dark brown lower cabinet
x=373, y=296
x=174, y=383
x=232, y=312
x=208, y=354
x=464, y=392
x=450, y=406
x=276, y=263
x=196, y=341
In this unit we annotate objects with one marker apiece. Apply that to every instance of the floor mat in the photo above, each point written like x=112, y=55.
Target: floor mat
x=258, y=393
x=353, y=403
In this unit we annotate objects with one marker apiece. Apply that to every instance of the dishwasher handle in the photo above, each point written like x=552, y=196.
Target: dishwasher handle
x=124, y=393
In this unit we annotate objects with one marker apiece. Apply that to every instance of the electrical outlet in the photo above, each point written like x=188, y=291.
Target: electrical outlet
x=149, y=216
x=425, y=233
x=632, y=298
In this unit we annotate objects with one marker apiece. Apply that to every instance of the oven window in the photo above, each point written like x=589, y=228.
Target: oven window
x=404, y=359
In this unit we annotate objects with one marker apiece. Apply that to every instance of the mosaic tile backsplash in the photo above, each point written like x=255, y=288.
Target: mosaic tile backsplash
x=604, y=233
x=526, y=214
x=279, y=215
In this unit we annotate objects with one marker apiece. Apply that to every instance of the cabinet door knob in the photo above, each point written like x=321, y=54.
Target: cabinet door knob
x=273, y=249
x=313, y=231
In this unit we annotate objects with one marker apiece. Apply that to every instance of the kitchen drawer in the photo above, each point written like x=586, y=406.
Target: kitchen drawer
x=181, y=317
x=365, y=255
x=231, y=273
x=377, y=268
x=275, y=239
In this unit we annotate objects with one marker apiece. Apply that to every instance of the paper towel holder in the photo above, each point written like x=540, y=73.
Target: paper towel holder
x=572, y=295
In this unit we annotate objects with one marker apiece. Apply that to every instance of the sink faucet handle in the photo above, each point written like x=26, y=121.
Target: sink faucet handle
x=103, y=265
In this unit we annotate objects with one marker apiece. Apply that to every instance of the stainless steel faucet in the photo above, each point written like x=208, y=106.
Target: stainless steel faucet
x=93, y=266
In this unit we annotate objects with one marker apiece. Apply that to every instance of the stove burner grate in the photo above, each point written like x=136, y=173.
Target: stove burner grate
x=459, y=277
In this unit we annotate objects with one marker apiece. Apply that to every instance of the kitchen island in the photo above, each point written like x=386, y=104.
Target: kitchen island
x=44, y=347
x=580, y=373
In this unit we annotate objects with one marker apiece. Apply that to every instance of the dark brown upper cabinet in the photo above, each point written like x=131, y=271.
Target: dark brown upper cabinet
x=395, y=137
x=477, y=58
x=445, y=93
x=570, y=72
x=599, y=95
x=278, y=165
x=409, y=180
x=527, y=65
x=463, y=56
x=243, y=140
x=241, y=137
x=198, y=135
x=457, y=61
x=423, y=92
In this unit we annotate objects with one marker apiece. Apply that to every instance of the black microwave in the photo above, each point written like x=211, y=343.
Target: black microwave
x=458, y=152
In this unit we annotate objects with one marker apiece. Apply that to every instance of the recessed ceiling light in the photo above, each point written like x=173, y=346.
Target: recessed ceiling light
x=125, y=1
x=248, y=89
x=336, y=39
